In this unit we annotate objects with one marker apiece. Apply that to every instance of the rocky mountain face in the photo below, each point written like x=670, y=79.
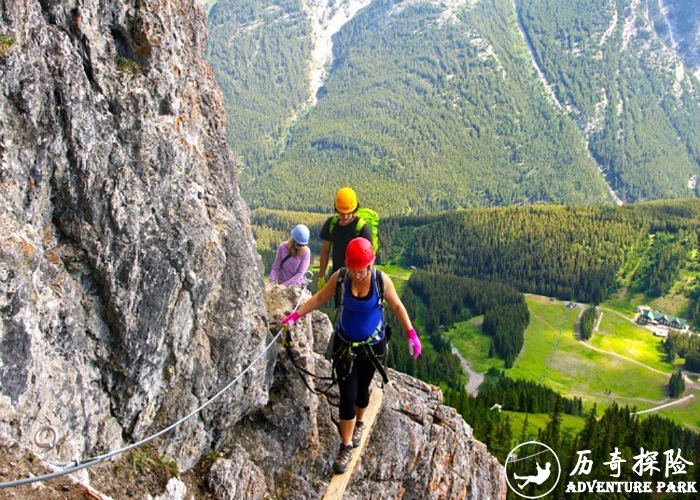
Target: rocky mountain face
x=129, y=282
x=678, y=23
x=130, y=288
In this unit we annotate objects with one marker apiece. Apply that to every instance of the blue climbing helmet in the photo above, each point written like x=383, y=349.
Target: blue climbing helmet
x=301, y=234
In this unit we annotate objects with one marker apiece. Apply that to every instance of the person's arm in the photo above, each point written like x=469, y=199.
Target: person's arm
x=324, y=257
x=366, y=232
x=321, y=297
x=395, y=304
x=397, y=307
x=301, y=270
x=276, y=265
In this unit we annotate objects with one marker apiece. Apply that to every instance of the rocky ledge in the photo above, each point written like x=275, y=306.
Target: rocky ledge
x=418, y=449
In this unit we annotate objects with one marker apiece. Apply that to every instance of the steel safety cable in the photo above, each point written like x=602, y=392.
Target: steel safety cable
x=529, y=456
x=101, y=458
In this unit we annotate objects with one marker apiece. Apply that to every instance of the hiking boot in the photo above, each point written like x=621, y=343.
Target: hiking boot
x=343, y=459
x=357, y=433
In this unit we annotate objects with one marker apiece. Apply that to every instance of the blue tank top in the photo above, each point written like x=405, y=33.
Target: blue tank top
x=361, y=317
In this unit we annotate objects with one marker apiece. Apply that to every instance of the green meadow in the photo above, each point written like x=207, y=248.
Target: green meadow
x=622, y=362
x=399, y=275
x=685, y=413
x=553, y=356
x=468, y=337
x=619, y=334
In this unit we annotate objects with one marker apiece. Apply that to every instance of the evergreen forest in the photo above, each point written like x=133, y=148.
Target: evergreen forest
x=581, y=253
x=445, y=297
x=488, y=103
x=641, y=123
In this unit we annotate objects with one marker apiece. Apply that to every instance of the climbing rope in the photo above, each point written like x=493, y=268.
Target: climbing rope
x=101, y=458
x=529, y=456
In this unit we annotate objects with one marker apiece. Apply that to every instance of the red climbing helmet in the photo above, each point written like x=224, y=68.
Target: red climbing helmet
x=359, y=254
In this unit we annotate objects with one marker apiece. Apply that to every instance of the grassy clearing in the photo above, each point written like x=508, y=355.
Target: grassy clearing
x=624, y=303
x=686, y=413
x=617, y=333
x=399, y=276
x=468, y=337
x=552, y=356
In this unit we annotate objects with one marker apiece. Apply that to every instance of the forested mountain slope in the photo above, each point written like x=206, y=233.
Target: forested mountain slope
x=259, y=52
x=458, y=104
x=631, y=96
x=581, y=253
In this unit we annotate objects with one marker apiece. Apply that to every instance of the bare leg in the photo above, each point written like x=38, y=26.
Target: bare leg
x=346, y=429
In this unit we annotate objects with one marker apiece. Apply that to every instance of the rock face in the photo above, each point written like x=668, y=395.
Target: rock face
x=682, y=20
x=130, y=288
x=418, y=449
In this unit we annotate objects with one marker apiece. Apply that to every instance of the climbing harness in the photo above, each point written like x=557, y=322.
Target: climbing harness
x=346, y=351
x=101, y=458
x=365, y=347
x=350, y=351
x=286, y=342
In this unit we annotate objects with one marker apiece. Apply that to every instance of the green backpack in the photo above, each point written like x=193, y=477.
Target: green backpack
x=366, y=216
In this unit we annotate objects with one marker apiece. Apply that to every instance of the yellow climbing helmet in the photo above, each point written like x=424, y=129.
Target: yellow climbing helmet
x=345, y=200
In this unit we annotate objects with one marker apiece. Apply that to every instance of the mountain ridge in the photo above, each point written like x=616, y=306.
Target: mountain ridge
x=358, y=132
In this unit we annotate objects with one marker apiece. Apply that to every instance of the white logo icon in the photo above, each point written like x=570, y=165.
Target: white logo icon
x=532, y=454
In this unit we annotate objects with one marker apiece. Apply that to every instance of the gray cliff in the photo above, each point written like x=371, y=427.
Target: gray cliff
x=130, y=287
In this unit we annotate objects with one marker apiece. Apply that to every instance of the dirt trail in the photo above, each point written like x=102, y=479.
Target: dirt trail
x=475, y=378
x=678, y=401
x=620, y=356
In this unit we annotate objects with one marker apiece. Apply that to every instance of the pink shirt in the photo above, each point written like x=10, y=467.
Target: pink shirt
x=292, y=272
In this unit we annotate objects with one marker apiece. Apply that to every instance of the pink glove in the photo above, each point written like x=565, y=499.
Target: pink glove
x=292, y=318
x=413, y=343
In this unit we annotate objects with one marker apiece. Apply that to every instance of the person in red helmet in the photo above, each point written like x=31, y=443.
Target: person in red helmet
x=359, y=324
